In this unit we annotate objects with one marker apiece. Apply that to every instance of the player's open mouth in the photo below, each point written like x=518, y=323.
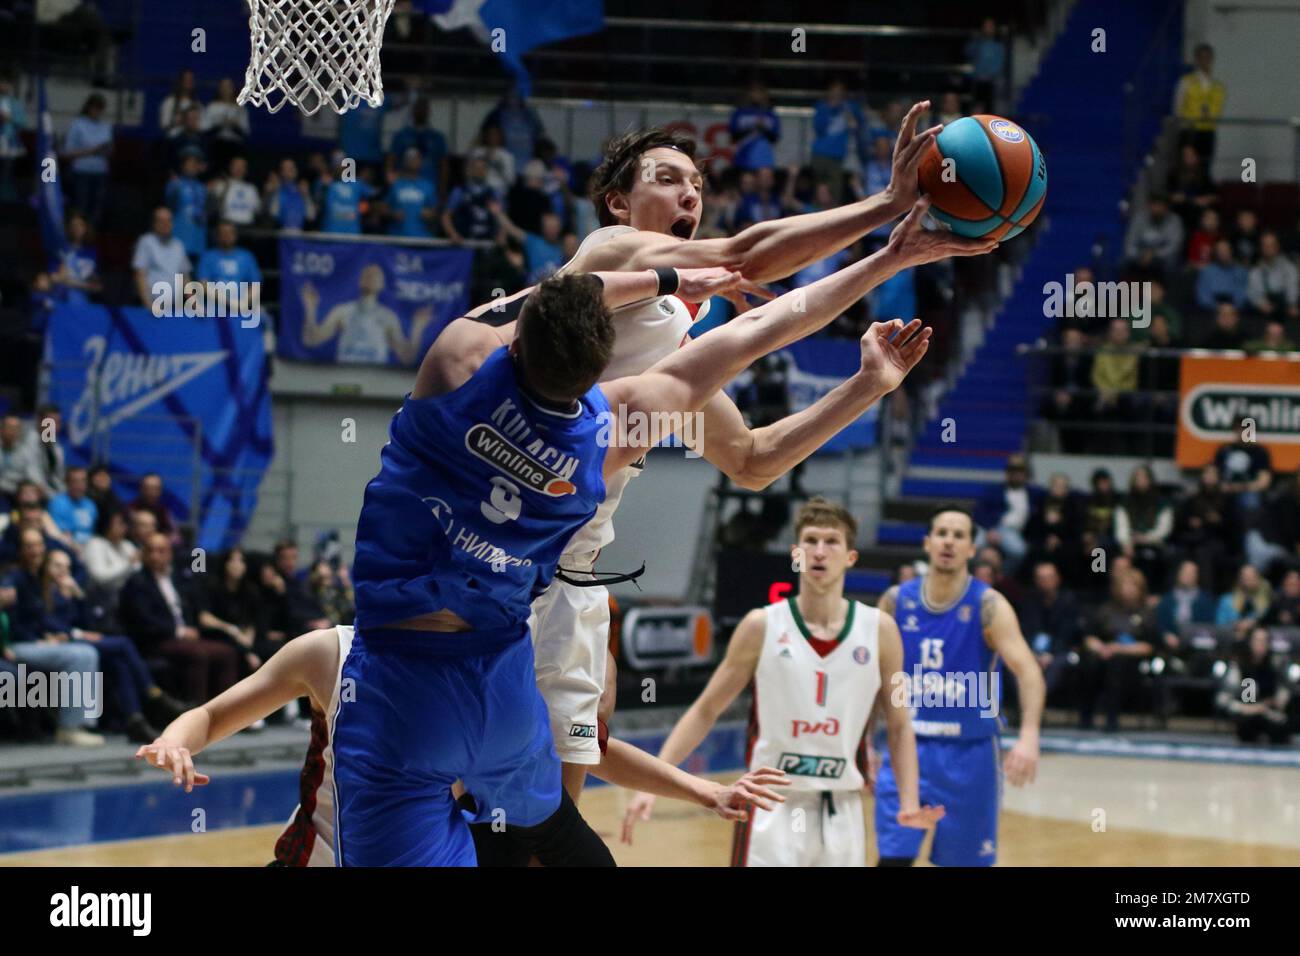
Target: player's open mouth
x=682, y=227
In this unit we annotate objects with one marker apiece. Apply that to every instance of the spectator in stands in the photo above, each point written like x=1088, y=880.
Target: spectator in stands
x=187, y=198
x=1052, y=624
x=1161, y=309
x=759, y=200
x=949, y=108
x=141, y=526
x=1221, y=280
x=755, y=128
x=235, y=198
x=230, y=612
x=1276, y=534
x=29, y=513
x=1155, y=230
x=1198, y=103
x=110, y=556
x=361, y=135
x=1071, y=381
x=1285, y=610
x=1000, y=580
x=1246, y=468
x=47, y=450
x=60, y=657
x=13, y=120
x=73, y=511
x=101, y=490
x=518, y=126
x=1054, y=526
x=1227, y=332
x=1274, y=338
x=543, y=253
x=159, y=259
x=181, y=98
x=1245, y=237
x=225, y=123
x=286, y=198
x=228, y=262
x=1183, y=604
x=1254, y=691
x=987, y=54
x=332, y=587
x=1099, y=509
x=137, y=695
x=343, y=200
x=158, y=611
x=498, y=161
x=1143, y=524
x=1200, y=246
x=150, y=499
x=1247, y=602
x=528, y=200
x=292, y=607
x=1190, y=190
x=1004, y=512
x=187, y=138
x=468, y=214
x=1122, y=633
x=1115, y=378
x=88, y=148
x=420, y=135
x=74, y=269
x=410, y=205
x=877, y=171
x=17, y=459
x=1206, y=529
x=836, y=121
x=1274, y=284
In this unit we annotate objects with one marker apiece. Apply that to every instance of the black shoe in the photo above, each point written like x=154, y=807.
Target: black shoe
x=165, y=708
x=139, y=731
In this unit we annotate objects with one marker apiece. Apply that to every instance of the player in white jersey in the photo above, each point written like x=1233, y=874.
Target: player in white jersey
x=367, y=330
x=648, y=196
x=818, y=664
x=311, y=666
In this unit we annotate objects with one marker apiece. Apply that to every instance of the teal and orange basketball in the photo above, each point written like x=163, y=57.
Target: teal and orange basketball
x=995, y=183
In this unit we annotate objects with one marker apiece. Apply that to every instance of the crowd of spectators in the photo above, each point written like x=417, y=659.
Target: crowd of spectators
x=1154, y=580
x=90, y=584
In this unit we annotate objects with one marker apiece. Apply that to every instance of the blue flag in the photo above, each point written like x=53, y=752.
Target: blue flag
x=48, y=197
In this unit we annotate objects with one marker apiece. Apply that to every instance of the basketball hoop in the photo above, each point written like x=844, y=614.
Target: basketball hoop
x=315, y=53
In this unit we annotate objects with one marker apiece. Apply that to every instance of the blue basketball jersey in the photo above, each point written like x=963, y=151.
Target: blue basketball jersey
x=954, y=676
x=478, y=491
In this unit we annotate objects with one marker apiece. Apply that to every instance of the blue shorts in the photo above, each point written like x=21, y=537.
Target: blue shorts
x=420, y=713
x=962, y=776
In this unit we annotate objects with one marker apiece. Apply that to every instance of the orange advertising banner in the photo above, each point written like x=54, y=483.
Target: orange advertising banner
x=1216, y=393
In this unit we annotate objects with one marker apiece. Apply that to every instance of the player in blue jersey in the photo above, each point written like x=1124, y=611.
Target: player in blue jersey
x=956, y=633
x=496, y=458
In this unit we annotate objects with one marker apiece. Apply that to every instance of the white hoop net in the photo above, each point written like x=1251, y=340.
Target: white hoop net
x=315, y=53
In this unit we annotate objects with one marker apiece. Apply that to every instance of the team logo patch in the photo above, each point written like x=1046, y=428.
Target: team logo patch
x=1006, y=131
x=861, y=655
x=963, y=613
x=485, y=442
x=665, y=307
x=785, y=638
x=582, y=730
x=811, y=765
x=785, y=654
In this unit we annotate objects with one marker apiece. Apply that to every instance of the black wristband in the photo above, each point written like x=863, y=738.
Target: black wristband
x=668, y=281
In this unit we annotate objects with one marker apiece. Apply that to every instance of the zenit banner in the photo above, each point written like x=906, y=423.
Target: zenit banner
x=1216, y=393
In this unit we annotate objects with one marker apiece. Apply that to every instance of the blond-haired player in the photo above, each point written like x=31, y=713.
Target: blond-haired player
x=818, y=663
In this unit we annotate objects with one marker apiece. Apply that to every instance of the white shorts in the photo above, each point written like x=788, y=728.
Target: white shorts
x=570, y=628
x=811, y=828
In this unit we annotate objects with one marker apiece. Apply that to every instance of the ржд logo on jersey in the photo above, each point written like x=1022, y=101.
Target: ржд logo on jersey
x=829, y=727
x=811, y=765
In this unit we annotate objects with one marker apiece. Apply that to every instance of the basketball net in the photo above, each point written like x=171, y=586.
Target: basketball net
x=315, y=53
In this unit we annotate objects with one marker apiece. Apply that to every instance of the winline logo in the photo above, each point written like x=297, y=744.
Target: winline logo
x=1212, y=411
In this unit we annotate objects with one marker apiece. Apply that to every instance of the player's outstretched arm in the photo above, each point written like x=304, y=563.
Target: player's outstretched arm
x=303, y=667
x=778, y=248
x=732, y=676
x=1002, y=633
x=898, y=729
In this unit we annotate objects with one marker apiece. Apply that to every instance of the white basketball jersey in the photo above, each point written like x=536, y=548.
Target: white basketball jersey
x=811, y=711
x=644, y=332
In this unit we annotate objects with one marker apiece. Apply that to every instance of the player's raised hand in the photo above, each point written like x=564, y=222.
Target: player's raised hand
x=891, y=349
x=917, y=245
x=697, y=285
x=910, y=146
x=310, y=297
x=169, y=757
x=638, y=808
x=1021, y=764
x=754, y=788
x=922, y=818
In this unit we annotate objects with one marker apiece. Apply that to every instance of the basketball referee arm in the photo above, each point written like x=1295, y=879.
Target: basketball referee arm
x=772, y=250
x=1002, y=633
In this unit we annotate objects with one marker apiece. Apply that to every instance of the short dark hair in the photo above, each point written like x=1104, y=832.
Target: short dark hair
x=617, y=171
x=565, y=336
x=945, y=509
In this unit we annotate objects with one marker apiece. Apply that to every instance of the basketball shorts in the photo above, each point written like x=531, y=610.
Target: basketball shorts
x=962, y=776
x=570, y=627
x=812, y=828
x=419, y=710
